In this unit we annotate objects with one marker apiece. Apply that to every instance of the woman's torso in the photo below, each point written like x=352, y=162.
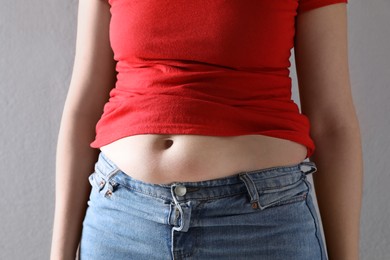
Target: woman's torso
x=156, y=158
x=250, y=89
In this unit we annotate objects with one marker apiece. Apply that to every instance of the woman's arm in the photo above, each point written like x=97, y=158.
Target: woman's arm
x=321, y=55
x=92, y=78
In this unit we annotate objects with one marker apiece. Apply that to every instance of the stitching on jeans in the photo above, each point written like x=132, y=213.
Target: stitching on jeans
x=281, y=186
x=292, y=200
x=315, y=223
x=278, y=168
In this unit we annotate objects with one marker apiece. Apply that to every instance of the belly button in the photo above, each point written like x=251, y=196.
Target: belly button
x=168, y=143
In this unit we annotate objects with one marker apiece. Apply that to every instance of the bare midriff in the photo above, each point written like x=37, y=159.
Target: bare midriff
x=164, y=159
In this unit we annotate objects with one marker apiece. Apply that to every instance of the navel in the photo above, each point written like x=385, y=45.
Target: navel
x=168, y=143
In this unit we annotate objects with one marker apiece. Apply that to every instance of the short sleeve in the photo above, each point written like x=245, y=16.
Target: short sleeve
x=306, y=5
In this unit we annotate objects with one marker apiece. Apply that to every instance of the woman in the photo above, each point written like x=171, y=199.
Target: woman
x=201, y=150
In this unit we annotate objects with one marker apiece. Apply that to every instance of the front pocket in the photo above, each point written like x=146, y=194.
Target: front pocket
x=283, y=195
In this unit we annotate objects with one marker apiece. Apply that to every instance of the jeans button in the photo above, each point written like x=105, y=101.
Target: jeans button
x=180, y=190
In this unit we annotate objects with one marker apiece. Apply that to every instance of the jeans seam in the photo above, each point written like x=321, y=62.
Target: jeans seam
x=315, y=223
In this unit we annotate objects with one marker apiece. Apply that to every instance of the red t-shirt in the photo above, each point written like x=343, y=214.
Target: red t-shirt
x=204, y=67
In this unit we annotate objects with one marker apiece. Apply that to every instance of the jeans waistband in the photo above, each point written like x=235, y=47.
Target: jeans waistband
x=261, y=179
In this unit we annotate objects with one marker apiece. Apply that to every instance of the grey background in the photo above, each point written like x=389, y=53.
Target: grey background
x=36, y=57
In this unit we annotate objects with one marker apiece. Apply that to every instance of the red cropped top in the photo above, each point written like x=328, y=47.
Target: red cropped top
x=205, y=67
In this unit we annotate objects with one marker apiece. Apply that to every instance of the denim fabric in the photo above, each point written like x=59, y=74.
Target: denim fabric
x=261, y=214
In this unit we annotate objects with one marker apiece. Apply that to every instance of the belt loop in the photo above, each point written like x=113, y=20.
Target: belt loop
x=106, y=170
x=311, y=165
x=252, y=190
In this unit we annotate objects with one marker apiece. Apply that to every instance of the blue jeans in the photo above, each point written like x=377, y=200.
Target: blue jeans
x=260, y=214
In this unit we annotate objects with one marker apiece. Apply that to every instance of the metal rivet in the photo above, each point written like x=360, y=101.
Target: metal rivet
x=255, y=205
x=180, y=190
x=109, y=193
